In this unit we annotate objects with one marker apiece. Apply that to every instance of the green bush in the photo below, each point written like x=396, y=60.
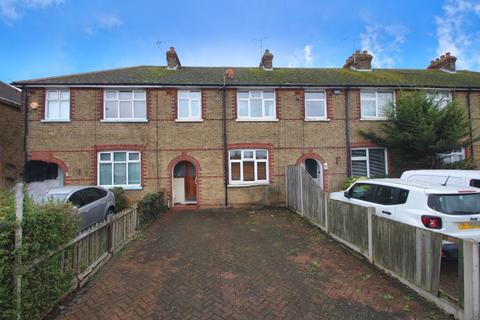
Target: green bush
x=45, y=227
x=120, y=199
x=150, y=207
x=467, y=164
x=349, y=181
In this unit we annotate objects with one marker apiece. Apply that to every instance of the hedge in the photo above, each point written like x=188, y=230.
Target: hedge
x=150, y=207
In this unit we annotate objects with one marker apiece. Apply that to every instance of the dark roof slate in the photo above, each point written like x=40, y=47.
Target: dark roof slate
x=213, y=76
x=9, y=94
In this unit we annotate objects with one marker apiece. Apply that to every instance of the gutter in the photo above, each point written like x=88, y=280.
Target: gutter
x=225, y=149
x=347, y=133
x=470, y=123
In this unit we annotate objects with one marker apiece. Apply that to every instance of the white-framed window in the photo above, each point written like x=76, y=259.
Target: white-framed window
x=57, y=105
x=248, y=166
x=369, y=162
x=256, y=105
x=452, y=157
x=376, y=104
x=189, y=105
x=119, y=169
x=125, y=105
x=315, y=105
x=440, y=98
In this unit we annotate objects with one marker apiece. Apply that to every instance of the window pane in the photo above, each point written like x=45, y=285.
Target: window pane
x=268, y=94
x=384, y=195
x=314, y=95
x=195, y=105
x=111, y=109
x=256, y=94
x=105, y=174
x=64, y=109
x=133, y=156
x=315, y=109
x=248, y=154
x=385, y=101
x=368, y=95
x=242, y=94
x=261, y=154
x=243, y=108
x=134, y=173
x=269, y=112
x=180, y=170
x=359, y=153
x=256, y=108
x=235, y=171
x=139, y=95
x=119, y=156
x=140, y=109
x=195, y=95
x=361, y=191
x=53, y=110
x=119, y=173
x=248, y=171
x=105, y=156
x=376, y=162
x=52, y=95
x=126, y=109
x=183, y=108
x=111, y=94
x=125, y=95
x=235, y=154
x=65, y=95
x=359, y=168
x=368, y=109
x=183, y=94
x=261, y=171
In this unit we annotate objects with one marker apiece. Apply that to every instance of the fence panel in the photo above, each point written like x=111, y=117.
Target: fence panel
x=313, y=199
x=294, y=188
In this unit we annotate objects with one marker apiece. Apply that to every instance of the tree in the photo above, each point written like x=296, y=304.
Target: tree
x=419, y=130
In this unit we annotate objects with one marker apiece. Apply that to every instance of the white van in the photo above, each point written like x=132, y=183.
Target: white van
x=470, y=178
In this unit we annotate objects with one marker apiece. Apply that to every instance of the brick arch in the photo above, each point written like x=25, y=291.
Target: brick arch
x=172, y=165
x=311, y=155
x=48, y=157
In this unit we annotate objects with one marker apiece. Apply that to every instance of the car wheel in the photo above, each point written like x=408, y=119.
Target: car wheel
x=109, y=212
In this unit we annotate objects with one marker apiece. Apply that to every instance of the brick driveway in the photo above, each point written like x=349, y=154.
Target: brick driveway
x=239, y=264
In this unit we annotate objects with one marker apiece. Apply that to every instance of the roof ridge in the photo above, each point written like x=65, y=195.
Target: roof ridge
x=79, y=74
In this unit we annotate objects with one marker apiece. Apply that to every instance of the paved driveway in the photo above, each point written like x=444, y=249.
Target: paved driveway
x=241, y=264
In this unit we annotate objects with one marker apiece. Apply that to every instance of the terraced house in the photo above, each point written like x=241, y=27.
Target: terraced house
x=215, y=136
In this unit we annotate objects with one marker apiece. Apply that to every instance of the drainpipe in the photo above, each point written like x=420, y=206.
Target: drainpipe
x=347, y=133
x=470, y=123
x=225, y=151
x=25, y=127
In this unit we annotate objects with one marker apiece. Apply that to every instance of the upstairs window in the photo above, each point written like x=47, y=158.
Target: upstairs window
x=248, y=166
x=123, y=105
x=189, y=105
x=119, y=169
x=315, y=106
x=376, y=104
x=369, y=162
x=440, y=98
x=57, y=105
x=256, y=105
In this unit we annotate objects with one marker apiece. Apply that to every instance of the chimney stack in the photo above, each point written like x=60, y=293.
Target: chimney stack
x=267, y=60
x=359, y=61
x=173, y=62
x=445, y=62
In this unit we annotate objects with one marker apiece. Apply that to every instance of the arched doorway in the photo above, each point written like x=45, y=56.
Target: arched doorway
x=184, y=186
x=315, y=169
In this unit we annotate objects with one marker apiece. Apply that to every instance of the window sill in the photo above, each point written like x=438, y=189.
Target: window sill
x=374, y=119
x=124, y=121
x=256, y=120
x=188, y=120
x=317, y=120
x=123, y=187
x=246, y=185
x=53, y=121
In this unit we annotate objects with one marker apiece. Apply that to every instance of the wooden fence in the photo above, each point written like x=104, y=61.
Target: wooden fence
x=410, y=254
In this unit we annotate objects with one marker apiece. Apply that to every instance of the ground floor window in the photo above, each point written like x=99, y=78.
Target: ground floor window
x=369, y=162
x=452, y=157
x=248, y=166
x=119, y=169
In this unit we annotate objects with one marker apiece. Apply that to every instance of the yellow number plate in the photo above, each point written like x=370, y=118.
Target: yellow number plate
x=467, y=225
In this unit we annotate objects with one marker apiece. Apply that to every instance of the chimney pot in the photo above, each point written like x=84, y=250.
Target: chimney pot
x=173, y=62
x=267, y=60
x=359, y=61
x=445, y=62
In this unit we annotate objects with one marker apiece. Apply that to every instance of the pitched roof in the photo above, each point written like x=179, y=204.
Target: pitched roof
x=213, y=76
x=9, y=94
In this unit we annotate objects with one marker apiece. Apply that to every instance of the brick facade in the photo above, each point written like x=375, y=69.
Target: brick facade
x=11, y=144
x=164, y=142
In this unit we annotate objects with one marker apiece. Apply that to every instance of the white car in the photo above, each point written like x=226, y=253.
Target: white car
x=451, y=210
x=469, y=178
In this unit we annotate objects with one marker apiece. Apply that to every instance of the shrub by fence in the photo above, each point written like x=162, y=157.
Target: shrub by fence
x=150, y=207
x=408, y=253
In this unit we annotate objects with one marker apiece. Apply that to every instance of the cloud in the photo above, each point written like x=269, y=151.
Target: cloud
x=103, y=22
x=11, y=10
x=301, y=57
x=457, y=32
x=384, y=43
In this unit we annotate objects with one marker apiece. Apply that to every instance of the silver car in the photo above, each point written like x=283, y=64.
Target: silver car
x=93, y=203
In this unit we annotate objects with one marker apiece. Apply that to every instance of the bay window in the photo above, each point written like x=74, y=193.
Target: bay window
x=119, y=169
x=248, y=166
x=256, y=105
x=125, y=105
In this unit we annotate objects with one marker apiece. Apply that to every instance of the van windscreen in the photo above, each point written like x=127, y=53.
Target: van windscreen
x=455, y=204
